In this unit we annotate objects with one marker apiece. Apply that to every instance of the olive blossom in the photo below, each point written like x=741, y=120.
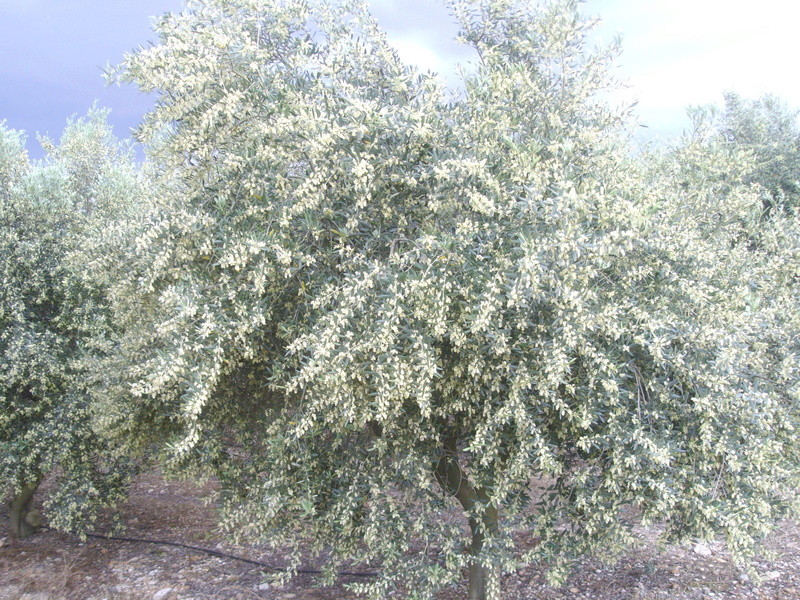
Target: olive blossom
x=362, y=302
x=53, y=320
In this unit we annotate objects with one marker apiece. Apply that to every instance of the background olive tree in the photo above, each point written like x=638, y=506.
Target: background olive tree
x=53, y=319
x=362, y=302
x=770, y=131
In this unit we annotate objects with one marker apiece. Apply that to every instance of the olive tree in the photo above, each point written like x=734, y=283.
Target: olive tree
x=767, y=133
x=368, y=305
x=771, y=131
x=53, y=319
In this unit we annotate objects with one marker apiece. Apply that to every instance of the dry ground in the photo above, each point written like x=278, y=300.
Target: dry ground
x=54, y=566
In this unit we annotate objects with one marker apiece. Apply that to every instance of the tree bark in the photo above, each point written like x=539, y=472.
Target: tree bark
x=483, y=518
x=24, y=521
x=481, y=576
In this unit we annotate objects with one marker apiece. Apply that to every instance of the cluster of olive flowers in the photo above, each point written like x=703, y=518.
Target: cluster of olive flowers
x=53, y=319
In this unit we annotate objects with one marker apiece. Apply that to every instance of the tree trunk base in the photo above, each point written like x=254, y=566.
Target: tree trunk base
x=478, y=582
x=24, y=520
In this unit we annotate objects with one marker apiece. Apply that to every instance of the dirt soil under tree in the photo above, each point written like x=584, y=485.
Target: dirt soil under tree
x=55, y=566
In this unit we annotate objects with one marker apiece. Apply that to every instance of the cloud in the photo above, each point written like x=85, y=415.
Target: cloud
x=685, y=52
x=420, y=54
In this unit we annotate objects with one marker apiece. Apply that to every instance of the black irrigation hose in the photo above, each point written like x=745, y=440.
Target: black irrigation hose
x=218, y=554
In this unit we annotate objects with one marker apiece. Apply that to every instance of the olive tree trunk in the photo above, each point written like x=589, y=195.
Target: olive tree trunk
x=483, y=519
x=24, y=520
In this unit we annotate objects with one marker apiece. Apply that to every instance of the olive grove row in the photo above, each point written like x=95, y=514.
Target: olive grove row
x=359, y=300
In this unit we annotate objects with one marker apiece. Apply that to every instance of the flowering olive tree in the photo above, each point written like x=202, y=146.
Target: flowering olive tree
x=363, y=302
x=52, y=319
x=771, y=133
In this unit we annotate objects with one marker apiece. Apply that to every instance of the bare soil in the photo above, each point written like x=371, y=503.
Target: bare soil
x=56, y=566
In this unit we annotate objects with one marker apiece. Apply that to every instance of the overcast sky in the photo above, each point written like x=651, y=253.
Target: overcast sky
x=675, y=53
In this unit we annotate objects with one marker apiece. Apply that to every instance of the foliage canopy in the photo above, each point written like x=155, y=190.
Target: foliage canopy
x=362, y=295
